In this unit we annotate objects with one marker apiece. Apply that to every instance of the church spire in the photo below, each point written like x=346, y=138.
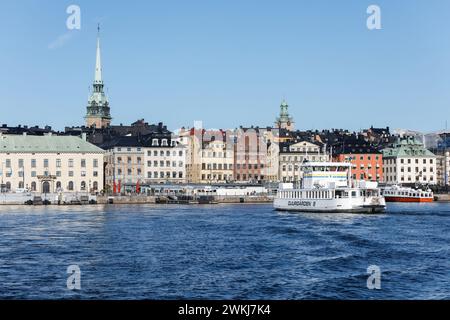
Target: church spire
x=98, y=62
x=98, y=111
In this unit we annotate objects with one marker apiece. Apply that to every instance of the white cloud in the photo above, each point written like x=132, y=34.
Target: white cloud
x=61, y=40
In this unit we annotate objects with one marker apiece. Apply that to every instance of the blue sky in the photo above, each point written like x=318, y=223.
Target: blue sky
x=229, y=63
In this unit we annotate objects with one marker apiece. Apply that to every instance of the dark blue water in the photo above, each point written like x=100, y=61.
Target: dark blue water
x=223, y=252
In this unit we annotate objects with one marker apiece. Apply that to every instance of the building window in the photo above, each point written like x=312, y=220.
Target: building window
x=95, y=173
x=70, y=163
x=33, y=186
x=83, y=185
x=83, y=163
x=8, y=163
x=95, y=186
x=33, y=174
x=149, y=175
x=95, y=164
x=70, y=186
x=164, y=143
x=155, y=142
x=83, y=173
x=70, y=173
x=45, y=163
x=20, y=163
x=58, y=163
x=58, y=173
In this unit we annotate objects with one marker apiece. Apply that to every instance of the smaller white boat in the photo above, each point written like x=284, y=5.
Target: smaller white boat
x=396, y=193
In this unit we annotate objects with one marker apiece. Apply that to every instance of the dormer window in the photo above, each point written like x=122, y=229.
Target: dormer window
x=155, y=142
x=173, y=142
x=164, y=142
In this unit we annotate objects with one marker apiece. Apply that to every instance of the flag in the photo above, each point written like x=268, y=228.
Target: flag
x=114, y=187
x=118, y=187
x=138, y=187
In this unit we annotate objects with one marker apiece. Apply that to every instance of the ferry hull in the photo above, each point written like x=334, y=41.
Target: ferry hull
x=330, y=206
x=405, y=199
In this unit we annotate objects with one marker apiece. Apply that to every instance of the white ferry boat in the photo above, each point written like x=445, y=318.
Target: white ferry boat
x=328, y=187
x=397, y=193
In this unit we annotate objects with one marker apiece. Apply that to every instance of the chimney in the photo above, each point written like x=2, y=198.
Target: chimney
x=83, y=136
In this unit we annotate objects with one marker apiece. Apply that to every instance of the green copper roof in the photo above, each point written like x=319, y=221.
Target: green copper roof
x=47, y=144
x=407, y=147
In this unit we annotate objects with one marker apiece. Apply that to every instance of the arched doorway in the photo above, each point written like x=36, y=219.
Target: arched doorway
x=70, y=186
x=46, y=187
x=33, y=186
x=95, y=186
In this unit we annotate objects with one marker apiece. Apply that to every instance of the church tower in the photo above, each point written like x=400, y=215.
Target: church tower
x=98, y=112
x=284, y=121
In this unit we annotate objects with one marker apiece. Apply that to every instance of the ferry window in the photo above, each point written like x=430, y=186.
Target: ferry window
x=354, y=194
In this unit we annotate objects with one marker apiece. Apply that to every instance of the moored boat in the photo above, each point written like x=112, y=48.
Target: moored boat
x=397, y=193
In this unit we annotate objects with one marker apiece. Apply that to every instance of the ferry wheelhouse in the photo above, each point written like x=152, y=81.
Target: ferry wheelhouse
x=328, y=187
x=402, y=194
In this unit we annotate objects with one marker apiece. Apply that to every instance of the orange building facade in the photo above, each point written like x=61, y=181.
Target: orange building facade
x=366, y=166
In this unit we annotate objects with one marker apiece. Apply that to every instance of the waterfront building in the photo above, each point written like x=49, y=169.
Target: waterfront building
x=209, y=155
x=217, y=157
x=124, y=160
x=192, y=140
x=367, y=160
x=273, y=161
x=250, y=155
x=293, y=153
x=165, y=160
x=49, y=163
x=144, y=160
x=284, y=121
x=443, y=169
x=409, y=162
x=98, y=111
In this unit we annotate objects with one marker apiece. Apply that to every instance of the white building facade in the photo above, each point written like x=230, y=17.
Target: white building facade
x=408, y=162
x=50, y=164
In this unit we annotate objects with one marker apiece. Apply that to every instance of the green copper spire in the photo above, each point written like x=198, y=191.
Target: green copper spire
x=284, y=121
x=98, y=111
